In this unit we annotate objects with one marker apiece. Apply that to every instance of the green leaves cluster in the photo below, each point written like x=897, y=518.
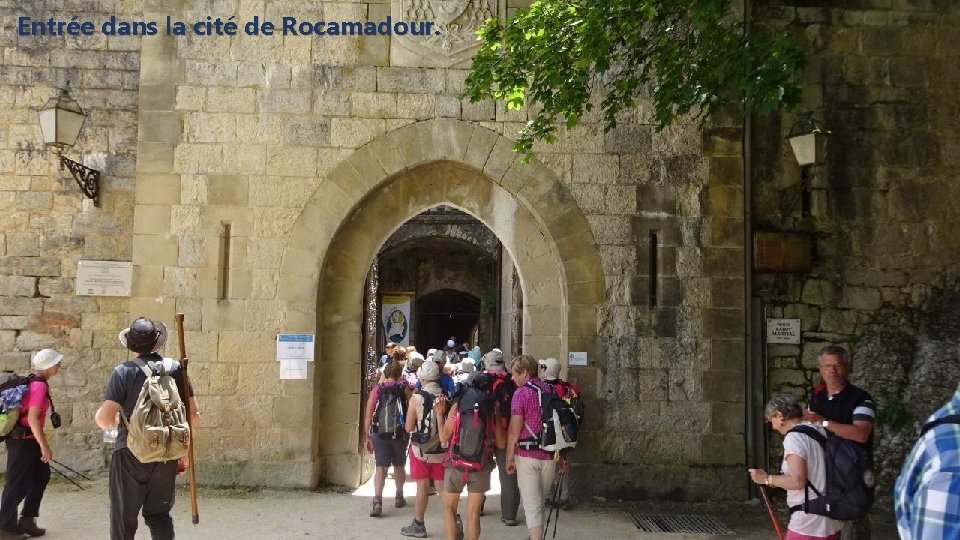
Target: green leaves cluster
x=689, y=56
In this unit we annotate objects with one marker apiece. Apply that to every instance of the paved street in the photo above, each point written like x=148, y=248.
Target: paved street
x=271, y=514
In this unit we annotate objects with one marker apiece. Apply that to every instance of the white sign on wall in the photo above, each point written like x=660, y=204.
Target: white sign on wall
x=785, y=331
x=293, y=353
x=104, y=278
x=577, y=359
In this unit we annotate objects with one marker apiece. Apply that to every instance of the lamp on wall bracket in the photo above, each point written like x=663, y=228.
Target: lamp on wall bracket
x=808, y=140
x=60, y=122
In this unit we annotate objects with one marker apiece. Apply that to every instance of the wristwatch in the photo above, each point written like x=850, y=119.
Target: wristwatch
x=825, y=423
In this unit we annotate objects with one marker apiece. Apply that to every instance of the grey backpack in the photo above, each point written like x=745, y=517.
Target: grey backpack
x=157, y=429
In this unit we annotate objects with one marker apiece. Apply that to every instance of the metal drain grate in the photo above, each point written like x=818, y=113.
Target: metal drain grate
x=680, y=523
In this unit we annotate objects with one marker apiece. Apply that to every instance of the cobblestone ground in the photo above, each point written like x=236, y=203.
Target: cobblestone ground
x=70, y=513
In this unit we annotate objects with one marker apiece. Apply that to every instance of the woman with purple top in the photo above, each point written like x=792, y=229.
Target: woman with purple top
x=534, y=467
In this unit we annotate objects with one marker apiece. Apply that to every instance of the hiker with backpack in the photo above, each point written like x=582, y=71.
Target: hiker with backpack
x=803, y=473
x=926, y=495
x=845, y=411
x=469, y=432
x=424, y=424
x=550, y=369
x=28, y=451
x=503, y=389
x=535, y=468
x=143, y=471
x=383, y=423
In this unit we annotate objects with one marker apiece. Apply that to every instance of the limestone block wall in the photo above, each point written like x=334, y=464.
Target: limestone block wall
x=47, y=225
x=628, y=244
x=885, y=214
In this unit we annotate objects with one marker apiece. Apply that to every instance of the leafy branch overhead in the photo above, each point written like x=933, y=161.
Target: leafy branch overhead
x=689, y=56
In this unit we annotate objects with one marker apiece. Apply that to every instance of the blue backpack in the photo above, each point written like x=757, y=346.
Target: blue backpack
x=849, y=491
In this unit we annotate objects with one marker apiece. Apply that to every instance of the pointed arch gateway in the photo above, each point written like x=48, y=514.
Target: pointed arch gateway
x=371, y=194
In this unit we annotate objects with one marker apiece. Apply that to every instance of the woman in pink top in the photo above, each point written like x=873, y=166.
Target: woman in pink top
x=534, y=468
x=387, y=452
x=29, y=454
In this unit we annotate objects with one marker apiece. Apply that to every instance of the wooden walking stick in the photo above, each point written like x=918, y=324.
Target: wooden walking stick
x=192, y=467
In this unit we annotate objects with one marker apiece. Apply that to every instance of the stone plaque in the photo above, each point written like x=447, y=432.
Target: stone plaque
x=783, y=331
x=104, y=278
x=455, y=25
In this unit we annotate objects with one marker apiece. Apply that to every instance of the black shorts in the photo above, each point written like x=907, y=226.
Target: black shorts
x=387, y=452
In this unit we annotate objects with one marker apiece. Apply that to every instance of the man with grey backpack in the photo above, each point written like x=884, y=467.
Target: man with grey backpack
x=152, y=442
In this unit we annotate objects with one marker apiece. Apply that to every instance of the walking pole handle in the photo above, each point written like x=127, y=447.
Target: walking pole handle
x=192, y=467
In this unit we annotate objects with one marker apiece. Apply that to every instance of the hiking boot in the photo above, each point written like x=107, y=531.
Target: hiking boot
x=28, y=526
x=12, y=535
x=400, y=502
x=376, y=510
x=417, y=529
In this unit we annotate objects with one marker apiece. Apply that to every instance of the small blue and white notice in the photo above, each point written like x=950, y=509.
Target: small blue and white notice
x=293, y=353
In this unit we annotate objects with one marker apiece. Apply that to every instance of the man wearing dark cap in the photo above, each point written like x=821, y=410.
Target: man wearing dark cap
x=135, y=485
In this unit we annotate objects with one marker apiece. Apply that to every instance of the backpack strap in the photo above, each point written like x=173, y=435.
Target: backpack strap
x=951, y=419
x=143, y=367
x=428, y=400
x=811, y=432
x=533, y=441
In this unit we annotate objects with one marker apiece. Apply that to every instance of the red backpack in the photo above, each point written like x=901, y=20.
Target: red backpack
x=471, y=448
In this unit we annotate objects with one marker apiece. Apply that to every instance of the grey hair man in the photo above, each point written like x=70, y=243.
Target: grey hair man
x=844, y=410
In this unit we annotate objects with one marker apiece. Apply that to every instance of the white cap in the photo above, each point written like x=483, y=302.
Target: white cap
x=451, y=344
x=552, y=368
x=45, y=359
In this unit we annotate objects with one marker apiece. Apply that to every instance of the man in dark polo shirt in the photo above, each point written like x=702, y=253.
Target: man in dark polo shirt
x=844, y=410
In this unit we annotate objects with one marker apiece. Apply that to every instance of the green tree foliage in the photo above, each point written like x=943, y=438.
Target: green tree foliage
x=689, y=56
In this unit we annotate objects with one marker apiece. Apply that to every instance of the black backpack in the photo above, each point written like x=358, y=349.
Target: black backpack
x=503, y=389
x=426, y=436
x=847, y=496
x=388, y=416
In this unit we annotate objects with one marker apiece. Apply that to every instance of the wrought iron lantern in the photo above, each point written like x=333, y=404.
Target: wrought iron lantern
x=60, y=122
x=808, y=139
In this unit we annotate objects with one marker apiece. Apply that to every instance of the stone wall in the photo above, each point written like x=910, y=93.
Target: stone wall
x=628, y=245
x=885, y=207
x=47, y=225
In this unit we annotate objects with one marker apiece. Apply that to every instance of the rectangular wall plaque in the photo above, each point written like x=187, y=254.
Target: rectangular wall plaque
x=783, y=331
x=104, y=278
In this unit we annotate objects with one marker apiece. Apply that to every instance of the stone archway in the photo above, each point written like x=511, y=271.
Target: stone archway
x=387, y=182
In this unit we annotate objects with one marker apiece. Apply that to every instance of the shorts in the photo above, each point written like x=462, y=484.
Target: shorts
x=476, y=482
x=387, y=452
x=421, y=470
x=793, y=535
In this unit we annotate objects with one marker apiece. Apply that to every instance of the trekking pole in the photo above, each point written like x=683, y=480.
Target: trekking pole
x=192, y=467
x=556, y=499
x=78, y=473
x=555, y=493
x=769, y=505
x=71, y=480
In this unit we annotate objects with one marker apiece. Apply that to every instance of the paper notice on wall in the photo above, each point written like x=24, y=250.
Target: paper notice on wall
x=294, y=368
x=295, y=347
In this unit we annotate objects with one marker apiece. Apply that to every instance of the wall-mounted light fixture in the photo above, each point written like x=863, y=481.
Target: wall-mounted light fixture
x=60, y=122
x=808, y=139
